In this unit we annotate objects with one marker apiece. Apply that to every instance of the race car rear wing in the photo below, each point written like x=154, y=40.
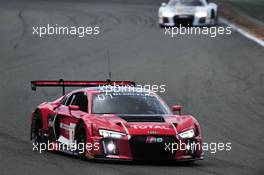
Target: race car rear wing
x=68, y=83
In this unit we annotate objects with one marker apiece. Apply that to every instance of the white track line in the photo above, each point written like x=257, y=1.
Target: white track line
x=244, y=32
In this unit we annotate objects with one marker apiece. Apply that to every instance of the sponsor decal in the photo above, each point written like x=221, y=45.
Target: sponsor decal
x=71, y=129
x=153, y=132
x=150, y=127
x=152, y=139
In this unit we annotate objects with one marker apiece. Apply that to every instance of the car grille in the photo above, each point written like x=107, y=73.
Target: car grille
x=184, y=20
x=141, y=150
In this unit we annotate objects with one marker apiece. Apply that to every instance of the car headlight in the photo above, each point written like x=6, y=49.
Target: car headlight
x=167, y=14
x=201, y=14
x=187, y=134
x=111, y=134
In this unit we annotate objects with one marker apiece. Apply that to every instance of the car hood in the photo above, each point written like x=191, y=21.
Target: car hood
x=184, y=9
x=143, y=124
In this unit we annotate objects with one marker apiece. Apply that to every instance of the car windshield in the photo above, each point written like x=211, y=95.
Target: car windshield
x=186, y=2
x=128, y=103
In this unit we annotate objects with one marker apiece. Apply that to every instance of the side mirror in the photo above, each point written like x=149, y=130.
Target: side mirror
x=74, y=108
x=163, y=4
x=177, y=108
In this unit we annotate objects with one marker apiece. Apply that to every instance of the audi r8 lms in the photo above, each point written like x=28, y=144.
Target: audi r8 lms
x=188, y=13
x=123, y=125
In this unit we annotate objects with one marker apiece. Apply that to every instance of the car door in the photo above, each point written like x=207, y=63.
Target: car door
x=65, y=120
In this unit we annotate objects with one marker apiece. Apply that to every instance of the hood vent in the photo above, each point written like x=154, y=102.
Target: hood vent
x=142, y=118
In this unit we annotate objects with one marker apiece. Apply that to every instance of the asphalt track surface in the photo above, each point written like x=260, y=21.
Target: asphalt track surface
x=219, y=80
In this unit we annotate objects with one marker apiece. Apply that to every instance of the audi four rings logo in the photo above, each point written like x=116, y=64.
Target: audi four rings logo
x=151, y=139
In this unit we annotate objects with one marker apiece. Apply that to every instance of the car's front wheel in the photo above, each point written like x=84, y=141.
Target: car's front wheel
x=214, y=18
x=81, y=141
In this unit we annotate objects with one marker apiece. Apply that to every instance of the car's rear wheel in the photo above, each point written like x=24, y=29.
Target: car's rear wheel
x=81, y=141
x=37, y=129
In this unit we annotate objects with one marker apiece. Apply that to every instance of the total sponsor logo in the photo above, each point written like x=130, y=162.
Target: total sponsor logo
x=150, y=127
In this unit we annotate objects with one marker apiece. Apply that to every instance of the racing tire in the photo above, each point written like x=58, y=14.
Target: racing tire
x=81, y=141
x=214, y=18
x=162, y=26
x=37, y=134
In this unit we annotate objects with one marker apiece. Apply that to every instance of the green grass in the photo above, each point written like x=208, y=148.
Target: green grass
x=252, y=8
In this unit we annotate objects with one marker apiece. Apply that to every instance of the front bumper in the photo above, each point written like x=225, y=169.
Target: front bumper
x=184, y=20
x=136, y=148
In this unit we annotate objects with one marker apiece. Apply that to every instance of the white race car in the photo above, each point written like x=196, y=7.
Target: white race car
x=188, y=13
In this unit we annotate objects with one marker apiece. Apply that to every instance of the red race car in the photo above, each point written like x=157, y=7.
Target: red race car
x=101, y=121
